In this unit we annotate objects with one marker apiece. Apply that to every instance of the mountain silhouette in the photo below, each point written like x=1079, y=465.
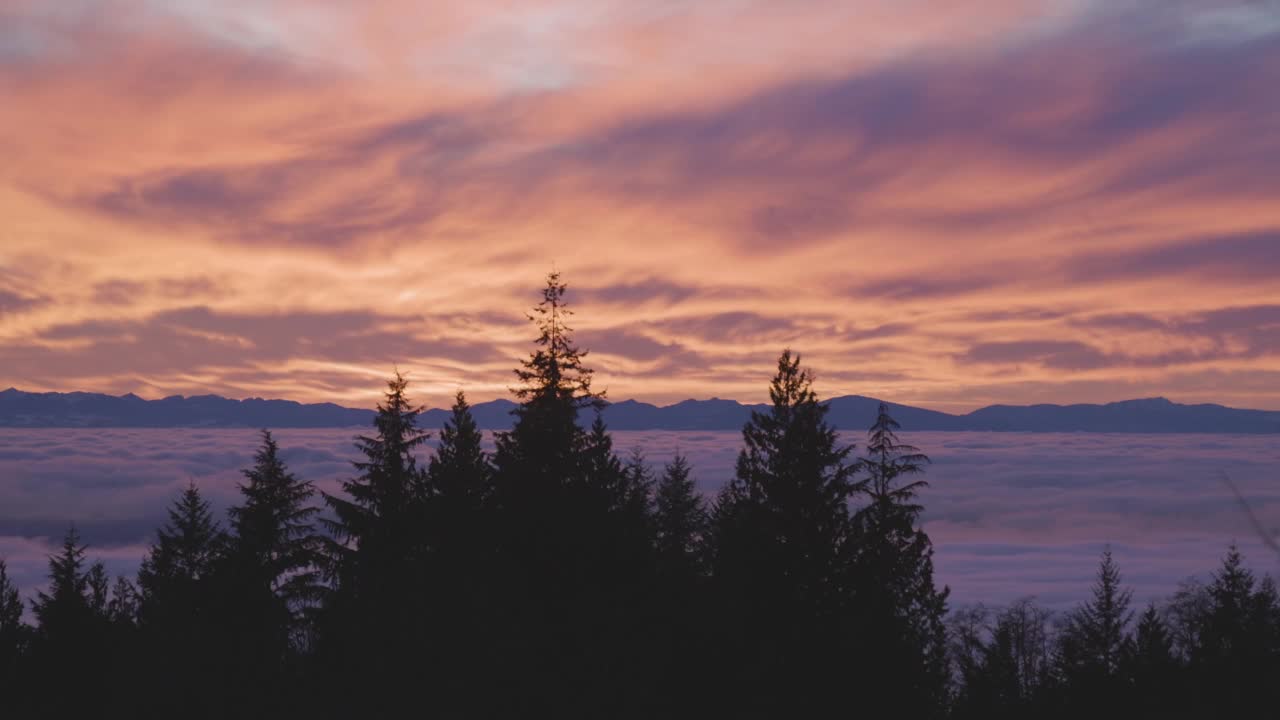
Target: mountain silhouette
x=850, y=412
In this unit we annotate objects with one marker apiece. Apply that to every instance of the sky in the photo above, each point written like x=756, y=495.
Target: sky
x=943, y=204
x=1009, y=514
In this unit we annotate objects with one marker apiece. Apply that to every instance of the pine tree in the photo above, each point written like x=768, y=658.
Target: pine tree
x=563, y=555
x=13, y=632
x=1235, y=660
x=182, y=647
x=268, y=583
x=374, y=528
x=184, y=553
x=66, y=610
x=459, y=493
x=540, y=456
x=679, y=635
x=781, y=569
x=459, y=475
x=680, y=516
x=1151, y=669
x=274, y=547
x=903, y=612
x=377, y=559
x=71, y=645
x=1093, y=643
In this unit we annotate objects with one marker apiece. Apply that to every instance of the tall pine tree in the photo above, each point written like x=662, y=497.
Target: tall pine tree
x=182, y=643
x=461, y=599
x=1093, y=644
x=13, y=631
x=377, y=560
x=781, y=566
x=269, y=582
x=902, y=612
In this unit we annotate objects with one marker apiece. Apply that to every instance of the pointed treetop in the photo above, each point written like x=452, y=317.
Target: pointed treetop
x=555, y=372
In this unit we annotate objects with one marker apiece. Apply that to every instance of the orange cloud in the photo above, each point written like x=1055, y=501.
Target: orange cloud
x=941, y=207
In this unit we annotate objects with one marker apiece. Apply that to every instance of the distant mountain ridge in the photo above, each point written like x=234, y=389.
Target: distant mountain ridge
x=850, y=412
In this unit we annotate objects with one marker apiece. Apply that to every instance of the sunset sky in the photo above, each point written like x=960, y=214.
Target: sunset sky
x=939, y=203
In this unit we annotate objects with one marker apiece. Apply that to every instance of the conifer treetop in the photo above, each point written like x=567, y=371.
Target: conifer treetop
x=555, y=370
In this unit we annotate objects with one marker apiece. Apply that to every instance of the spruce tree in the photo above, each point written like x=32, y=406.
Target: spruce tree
x=459, y=492
x=1093, y=644
x=1235, y=661
x=781, y=569
x=182, y=645
x=903, y=631
x=540, y=456
x=182, y=556
x=377, y=559
x=13, y=632
x=560, y=554
x=268, y=583
x=459, y=474
x=273, y=547
x=679, y=635
x=65, y=611
x=680, y=518
x=1151, y=669
x=71, y=644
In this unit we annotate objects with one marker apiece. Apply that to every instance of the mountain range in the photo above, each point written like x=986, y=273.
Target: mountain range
x=1152, y=415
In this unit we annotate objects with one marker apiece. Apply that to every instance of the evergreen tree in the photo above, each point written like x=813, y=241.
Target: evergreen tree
x=540, y=455
x=562, y=555
x=377, y=557
x=13, y=632
x=459, y=492
x=181, y=643
x=781, y=568
x=1151, y=669
x=184, y=553
x=71, y=647
x=903, y=613
x=268, y=583
x=680, y=517
x=1093, y=643
x=374, y=529
x=459, y=475
x=680, y=520
x=65, y=613
x=274, y=547
x=1235, y=661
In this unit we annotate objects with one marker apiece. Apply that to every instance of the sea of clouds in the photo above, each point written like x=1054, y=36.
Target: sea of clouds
x=1010, y=514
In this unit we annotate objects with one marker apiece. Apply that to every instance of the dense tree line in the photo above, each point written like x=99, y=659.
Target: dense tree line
x=553, y=578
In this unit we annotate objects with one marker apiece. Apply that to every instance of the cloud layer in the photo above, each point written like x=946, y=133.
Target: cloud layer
x=1047, y=200
x=1010, y=514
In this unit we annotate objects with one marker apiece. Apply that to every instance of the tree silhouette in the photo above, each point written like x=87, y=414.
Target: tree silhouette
x=182, y=643
x=268, y=584
x=13, y=631
x=459, y=491
x=902, y=612
x=274, y=548
x=376, y=558
x=71, y=644
x=1007, y=676
x=781, y=569
x=1093, y=644
x=680, y=637
x=1235, y=660
x=562, y=554
x=680, y=518
x=1152, y=670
